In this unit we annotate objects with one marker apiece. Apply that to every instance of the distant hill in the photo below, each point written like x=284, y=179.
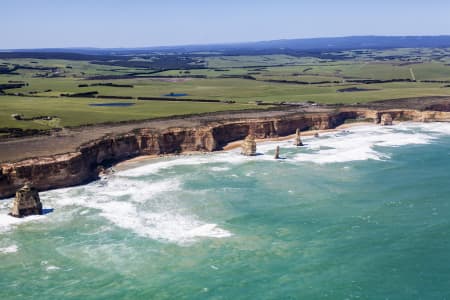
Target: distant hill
x=320, y=44
x=275, y=46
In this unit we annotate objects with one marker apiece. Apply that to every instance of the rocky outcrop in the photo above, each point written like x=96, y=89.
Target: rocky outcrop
x=82, y=165
x=298, y=140
x=386, y=120
x=277, y=152
x=249, y=146
x=27, y=202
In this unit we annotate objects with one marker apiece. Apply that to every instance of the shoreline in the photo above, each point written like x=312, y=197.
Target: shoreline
x=237, y=144
x=134, y=144
x=234, y=145
x=71, y=139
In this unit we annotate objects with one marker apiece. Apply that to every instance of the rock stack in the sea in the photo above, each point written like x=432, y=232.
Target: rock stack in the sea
x=27, y=202
x=298, y=139
x=277, y=152
x=249, y=145
x=386, y=119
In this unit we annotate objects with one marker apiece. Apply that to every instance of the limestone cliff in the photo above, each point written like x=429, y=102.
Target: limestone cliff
x=82, y=166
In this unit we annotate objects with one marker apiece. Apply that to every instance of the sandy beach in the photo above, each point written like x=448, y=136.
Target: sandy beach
x=233, y=145
x=236, y=144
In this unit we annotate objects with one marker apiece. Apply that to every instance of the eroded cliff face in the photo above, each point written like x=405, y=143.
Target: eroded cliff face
x=175, y=140
x=233, y=131
x=82, y=166
x=408, y=115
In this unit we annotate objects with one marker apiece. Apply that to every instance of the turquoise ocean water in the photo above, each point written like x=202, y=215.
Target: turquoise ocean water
x=356, y=214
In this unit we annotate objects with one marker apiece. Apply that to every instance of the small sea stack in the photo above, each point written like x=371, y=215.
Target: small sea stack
x=298, y=140
x=277, y=152
x=249, y=146
x=27, y=202
x=386, y=120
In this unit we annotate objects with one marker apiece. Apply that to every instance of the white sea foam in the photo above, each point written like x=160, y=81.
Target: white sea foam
x=52, y=268
x=169, y=226
x=8, y=222
x=155, y=167
x=163, y=225
x=146, y=208
x=9, y=249
x=356, y=143
x=433, y=128
x=219, y=169
x=84, y=212
x=360, y=143
x=157, y=209
x=139, y=191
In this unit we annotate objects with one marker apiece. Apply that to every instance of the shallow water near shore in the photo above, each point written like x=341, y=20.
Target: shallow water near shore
x=356, y=214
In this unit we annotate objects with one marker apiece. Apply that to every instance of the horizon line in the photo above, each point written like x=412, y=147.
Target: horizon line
x=224, y=43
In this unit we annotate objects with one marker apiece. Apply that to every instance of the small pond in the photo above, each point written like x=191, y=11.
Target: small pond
x=175, y=95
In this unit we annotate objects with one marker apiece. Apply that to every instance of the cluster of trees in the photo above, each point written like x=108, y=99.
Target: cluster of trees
x=354, y=89
x=6, y=69
x=91, y=94
x=11, y=85
x=374, y=81
x=18, y=85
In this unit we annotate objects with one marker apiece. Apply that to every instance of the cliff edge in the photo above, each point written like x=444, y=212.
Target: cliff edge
x=82, y=165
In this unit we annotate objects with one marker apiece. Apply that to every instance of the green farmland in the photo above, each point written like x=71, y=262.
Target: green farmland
x=69, y=112
x=66, y=89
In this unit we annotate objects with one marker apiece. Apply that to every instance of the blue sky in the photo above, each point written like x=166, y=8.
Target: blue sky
x=140, y=23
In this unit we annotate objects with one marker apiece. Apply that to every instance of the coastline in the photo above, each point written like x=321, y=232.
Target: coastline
x=233, y=145
x=237, y=144
x=137, y=143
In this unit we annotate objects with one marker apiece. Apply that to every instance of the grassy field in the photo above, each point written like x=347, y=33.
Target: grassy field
x=242, y=79
x=239, y=90
x=78, y=111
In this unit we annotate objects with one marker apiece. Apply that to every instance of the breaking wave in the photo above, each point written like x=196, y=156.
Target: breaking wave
x=150, y=201
x=144, y=207
x=9, y=249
